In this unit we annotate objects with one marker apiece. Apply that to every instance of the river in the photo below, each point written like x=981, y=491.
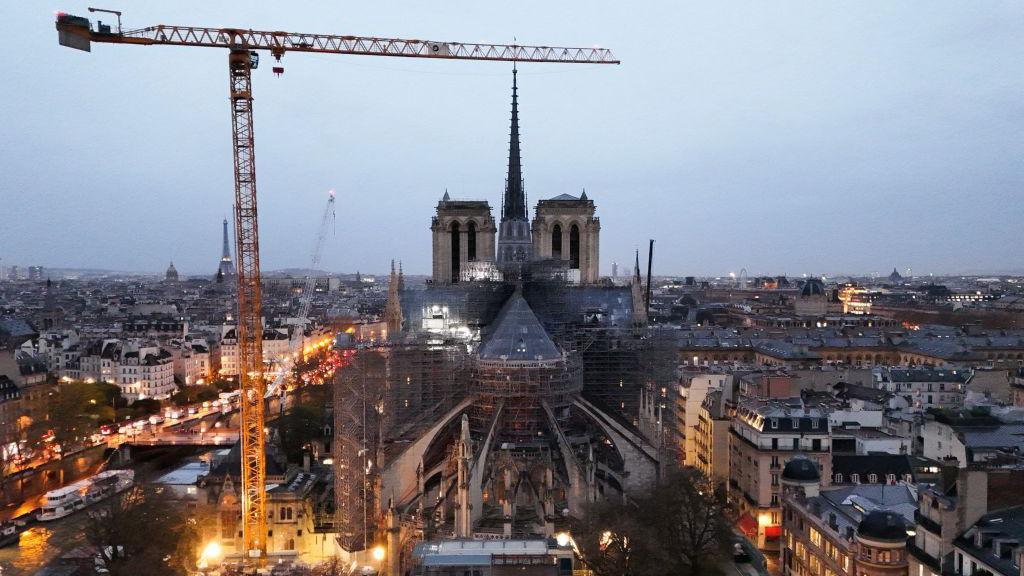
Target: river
x=44, y=543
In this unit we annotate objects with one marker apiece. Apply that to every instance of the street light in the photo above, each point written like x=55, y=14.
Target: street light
x=210, y=555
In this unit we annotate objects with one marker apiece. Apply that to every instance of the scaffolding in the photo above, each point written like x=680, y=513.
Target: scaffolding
x=390, y=394
x=385, y=397
x=521, y=389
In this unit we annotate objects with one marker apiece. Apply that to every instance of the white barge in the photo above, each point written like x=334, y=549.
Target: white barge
x=73, y=497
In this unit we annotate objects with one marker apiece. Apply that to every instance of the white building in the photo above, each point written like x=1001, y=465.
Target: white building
x=926, y=387
x=146, y=372
x=693, y=389
x=191, y=361
x=276, y=346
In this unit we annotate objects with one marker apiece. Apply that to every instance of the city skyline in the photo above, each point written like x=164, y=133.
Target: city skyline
x=680, y=143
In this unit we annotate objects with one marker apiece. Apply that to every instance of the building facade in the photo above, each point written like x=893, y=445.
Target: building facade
x=764, y=436
x=846, y=531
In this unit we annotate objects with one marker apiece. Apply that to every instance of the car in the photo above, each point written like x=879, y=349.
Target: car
x=192, y=410
x=106, y=430
x=739, y=553
x=174, y=414
x=139, y=425
x=122, y=429
x=206, y=404
x=156, y=419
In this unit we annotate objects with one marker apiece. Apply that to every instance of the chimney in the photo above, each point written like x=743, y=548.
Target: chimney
x=972, y=490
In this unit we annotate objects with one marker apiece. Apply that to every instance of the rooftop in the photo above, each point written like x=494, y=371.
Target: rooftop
x=518, y=335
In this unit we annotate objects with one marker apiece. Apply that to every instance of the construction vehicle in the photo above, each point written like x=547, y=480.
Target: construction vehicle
x=243, y=50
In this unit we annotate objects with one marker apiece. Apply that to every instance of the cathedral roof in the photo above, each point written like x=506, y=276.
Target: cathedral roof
x=565, y=197
x=518, y=335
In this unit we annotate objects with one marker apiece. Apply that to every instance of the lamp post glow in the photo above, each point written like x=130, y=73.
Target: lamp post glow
x=210, y=555
x=378, y=553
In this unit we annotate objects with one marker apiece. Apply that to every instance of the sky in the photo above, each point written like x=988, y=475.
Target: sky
x=780, y=137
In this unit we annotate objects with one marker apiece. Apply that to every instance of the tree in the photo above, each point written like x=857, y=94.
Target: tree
x=145, y=407
x=193, y=394
x=690, y=518
x=609, y=540
x=297, y=428
x=143, y=531
x=70, y=414
x=681, y=527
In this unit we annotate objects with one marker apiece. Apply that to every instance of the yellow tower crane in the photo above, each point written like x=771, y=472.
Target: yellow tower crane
x=244, y=47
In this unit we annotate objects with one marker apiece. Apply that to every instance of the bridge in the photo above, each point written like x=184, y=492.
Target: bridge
x=218, y=438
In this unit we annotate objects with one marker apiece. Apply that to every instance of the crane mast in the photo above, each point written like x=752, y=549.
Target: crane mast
x=307, y=291
x=243, y=46
x=305, y=301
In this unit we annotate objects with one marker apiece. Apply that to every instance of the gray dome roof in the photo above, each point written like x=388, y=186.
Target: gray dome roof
x=883, y=525
x=813, y=287
x=801, y=469
x=518, y=335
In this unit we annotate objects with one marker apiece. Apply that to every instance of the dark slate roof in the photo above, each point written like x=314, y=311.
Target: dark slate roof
x=518, y=335
x=883, y=525
x=14, y=331
x=564, y=197
x=881, y=464
x=801, y=469
x=856, y=392
x=926, y=375
x=1006, y=524
x=231, y=464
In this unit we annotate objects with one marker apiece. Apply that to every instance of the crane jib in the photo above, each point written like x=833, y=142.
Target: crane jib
x=76, y=32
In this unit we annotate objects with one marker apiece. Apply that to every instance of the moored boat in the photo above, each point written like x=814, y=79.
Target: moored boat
x=73, y=497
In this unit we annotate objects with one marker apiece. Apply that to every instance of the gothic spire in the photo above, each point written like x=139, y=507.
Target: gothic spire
x=513, y=205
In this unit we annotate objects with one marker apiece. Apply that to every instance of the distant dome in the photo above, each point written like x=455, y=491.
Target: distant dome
x=883, y=525
x=172, y=273
x=813, y=287
x=801, y=469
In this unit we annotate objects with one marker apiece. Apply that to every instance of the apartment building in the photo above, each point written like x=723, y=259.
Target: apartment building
x=857, y=530
x=764, y=436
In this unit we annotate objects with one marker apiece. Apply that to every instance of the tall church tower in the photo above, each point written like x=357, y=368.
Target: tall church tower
x=514, y=238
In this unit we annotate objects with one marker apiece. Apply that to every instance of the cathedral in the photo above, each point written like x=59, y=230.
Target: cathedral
x=516, y=387
x=564, y=232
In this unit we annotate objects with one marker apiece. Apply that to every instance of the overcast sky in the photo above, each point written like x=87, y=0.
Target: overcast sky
x=783, y=137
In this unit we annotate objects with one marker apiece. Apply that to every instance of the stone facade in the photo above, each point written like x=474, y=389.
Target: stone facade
x=463, y=231
x=565, y=228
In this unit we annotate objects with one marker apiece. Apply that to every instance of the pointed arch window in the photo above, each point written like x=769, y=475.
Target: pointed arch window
x=456, y=251
x=556, y=242
x=471, y=242
x=574, y=247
